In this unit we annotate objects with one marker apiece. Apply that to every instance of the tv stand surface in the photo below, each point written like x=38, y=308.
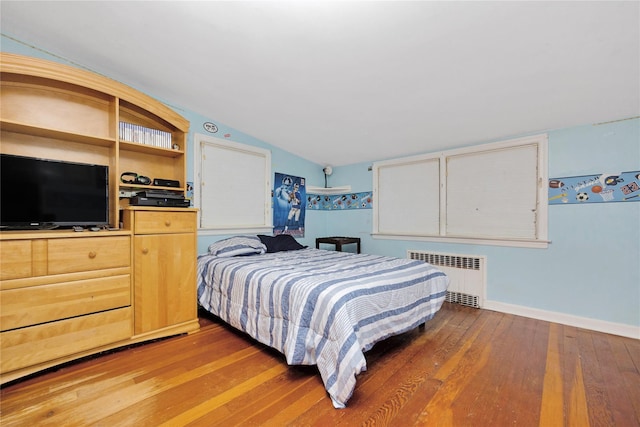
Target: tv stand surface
x=29, y=227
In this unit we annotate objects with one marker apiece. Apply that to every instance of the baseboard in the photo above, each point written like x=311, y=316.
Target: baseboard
x=565, y=319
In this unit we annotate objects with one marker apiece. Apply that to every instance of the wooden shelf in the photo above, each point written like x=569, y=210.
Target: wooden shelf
x=27, y=129
x=150, y=149
x=55, y=111
x=149, y=187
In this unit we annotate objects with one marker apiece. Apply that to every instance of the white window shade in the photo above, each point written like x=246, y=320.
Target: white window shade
x=234, y=185
x=492, y=193
x=401, y=211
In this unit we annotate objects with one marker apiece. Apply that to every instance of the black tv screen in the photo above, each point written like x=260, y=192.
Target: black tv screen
x=40, y=193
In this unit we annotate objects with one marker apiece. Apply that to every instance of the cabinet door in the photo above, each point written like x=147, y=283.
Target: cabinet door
x=165, y=284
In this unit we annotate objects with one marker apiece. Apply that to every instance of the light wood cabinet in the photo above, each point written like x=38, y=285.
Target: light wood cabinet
x=64, y=294
x=164, y=254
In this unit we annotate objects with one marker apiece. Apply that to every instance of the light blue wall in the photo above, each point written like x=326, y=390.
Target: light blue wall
x=592, y=267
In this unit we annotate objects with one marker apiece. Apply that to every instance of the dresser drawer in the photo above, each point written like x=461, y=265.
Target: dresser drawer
x=24, y=347
x=88, y=254
x=15, y=259
x=40, y=304
x=147, y=222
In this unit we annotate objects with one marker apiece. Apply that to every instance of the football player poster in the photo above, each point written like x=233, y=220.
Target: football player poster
x=289, y=194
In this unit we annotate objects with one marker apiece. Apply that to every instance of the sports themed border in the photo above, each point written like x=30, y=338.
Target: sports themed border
x=335, y=202
x=601, y=188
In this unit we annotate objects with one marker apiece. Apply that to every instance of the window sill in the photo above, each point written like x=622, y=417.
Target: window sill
x=516, y=243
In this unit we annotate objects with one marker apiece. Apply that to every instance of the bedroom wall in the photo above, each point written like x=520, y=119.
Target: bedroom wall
x=590, y=273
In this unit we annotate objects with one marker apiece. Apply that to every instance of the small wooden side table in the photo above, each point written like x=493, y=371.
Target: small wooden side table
x=338, y=242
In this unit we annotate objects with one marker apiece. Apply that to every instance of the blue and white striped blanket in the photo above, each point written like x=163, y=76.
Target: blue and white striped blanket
x=321, y=307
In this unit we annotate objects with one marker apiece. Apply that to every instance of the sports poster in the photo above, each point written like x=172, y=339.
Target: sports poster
x=289, y=194
x=189, y=193
x=607, y=187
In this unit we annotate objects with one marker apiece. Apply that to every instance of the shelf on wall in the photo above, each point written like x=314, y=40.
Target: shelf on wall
x=328, y=190
x=27, y=129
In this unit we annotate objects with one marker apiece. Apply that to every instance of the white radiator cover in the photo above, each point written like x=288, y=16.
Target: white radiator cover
x=467, y=275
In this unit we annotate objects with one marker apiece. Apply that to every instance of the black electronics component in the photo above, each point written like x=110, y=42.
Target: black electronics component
x=147, y=201
x=160, y=194
x=134, y=178
x=161, y=182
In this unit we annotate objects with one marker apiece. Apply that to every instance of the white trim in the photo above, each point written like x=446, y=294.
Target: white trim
x=513, y=243
x=621, y=329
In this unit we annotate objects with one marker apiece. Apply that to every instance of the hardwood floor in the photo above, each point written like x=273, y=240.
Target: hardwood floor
x=467, y=367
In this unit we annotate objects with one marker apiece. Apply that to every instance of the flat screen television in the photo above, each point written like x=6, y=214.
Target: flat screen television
x=40, y=193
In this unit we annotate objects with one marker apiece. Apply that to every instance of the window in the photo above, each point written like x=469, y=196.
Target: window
x=488, y=194
x=232, y=186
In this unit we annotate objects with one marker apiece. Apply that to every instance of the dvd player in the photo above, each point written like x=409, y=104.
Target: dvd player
x=148, y=201
x=160, y=194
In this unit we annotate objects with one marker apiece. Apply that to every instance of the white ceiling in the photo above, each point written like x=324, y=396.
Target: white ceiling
x=354, y=81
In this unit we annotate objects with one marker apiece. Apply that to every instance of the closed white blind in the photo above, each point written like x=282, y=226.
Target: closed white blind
x=234, y=186
x=408, y=197
x=492, y=193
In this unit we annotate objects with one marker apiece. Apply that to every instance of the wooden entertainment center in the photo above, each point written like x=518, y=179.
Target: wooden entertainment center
x=67, y=294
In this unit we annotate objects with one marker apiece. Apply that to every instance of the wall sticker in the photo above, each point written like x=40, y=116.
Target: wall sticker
x=597, y=188
x=210, y=127
x=340, y=201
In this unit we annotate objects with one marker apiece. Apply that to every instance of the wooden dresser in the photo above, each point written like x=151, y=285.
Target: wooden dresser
x=63, y=295
x=66, y=294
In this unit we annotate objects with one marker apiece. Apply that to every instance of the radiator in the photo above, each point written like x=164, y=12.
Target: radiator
x=467, y=275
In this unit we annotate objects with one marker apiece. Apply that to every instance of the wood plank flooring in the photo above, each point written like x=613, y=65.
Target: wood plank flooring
x=467, y=367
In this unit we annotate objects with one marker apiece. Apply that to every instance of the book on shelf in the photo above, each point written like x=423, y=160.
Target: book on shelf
x=143, y=135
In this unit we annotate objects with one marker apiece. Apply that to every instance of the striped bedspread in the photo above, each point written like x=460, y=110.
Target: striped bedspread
x=321, y=307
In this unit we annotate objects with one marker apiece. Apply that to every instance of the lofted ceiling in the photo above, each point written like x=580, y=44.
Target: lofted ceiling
x=344, y=82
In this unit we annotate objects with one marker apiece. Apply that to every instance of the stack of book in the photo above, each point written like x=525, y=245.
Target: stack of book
x=143, y=135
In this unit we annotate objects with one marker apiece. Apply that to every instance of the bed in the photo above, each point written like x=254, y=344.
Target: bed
x=317, y=307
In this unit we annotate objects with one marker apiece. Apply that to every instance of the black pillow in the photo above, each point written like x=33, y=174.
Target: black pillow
x=279, y=243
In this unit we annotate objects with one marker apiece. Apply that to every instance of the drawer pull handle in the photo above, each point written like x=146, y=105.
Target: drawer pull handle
x=92, y=254
x=145, y=250
x=167, y=223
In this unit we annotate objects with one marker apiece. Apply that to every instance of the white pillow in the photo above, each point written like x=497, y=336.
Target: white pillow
x=238, y=245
